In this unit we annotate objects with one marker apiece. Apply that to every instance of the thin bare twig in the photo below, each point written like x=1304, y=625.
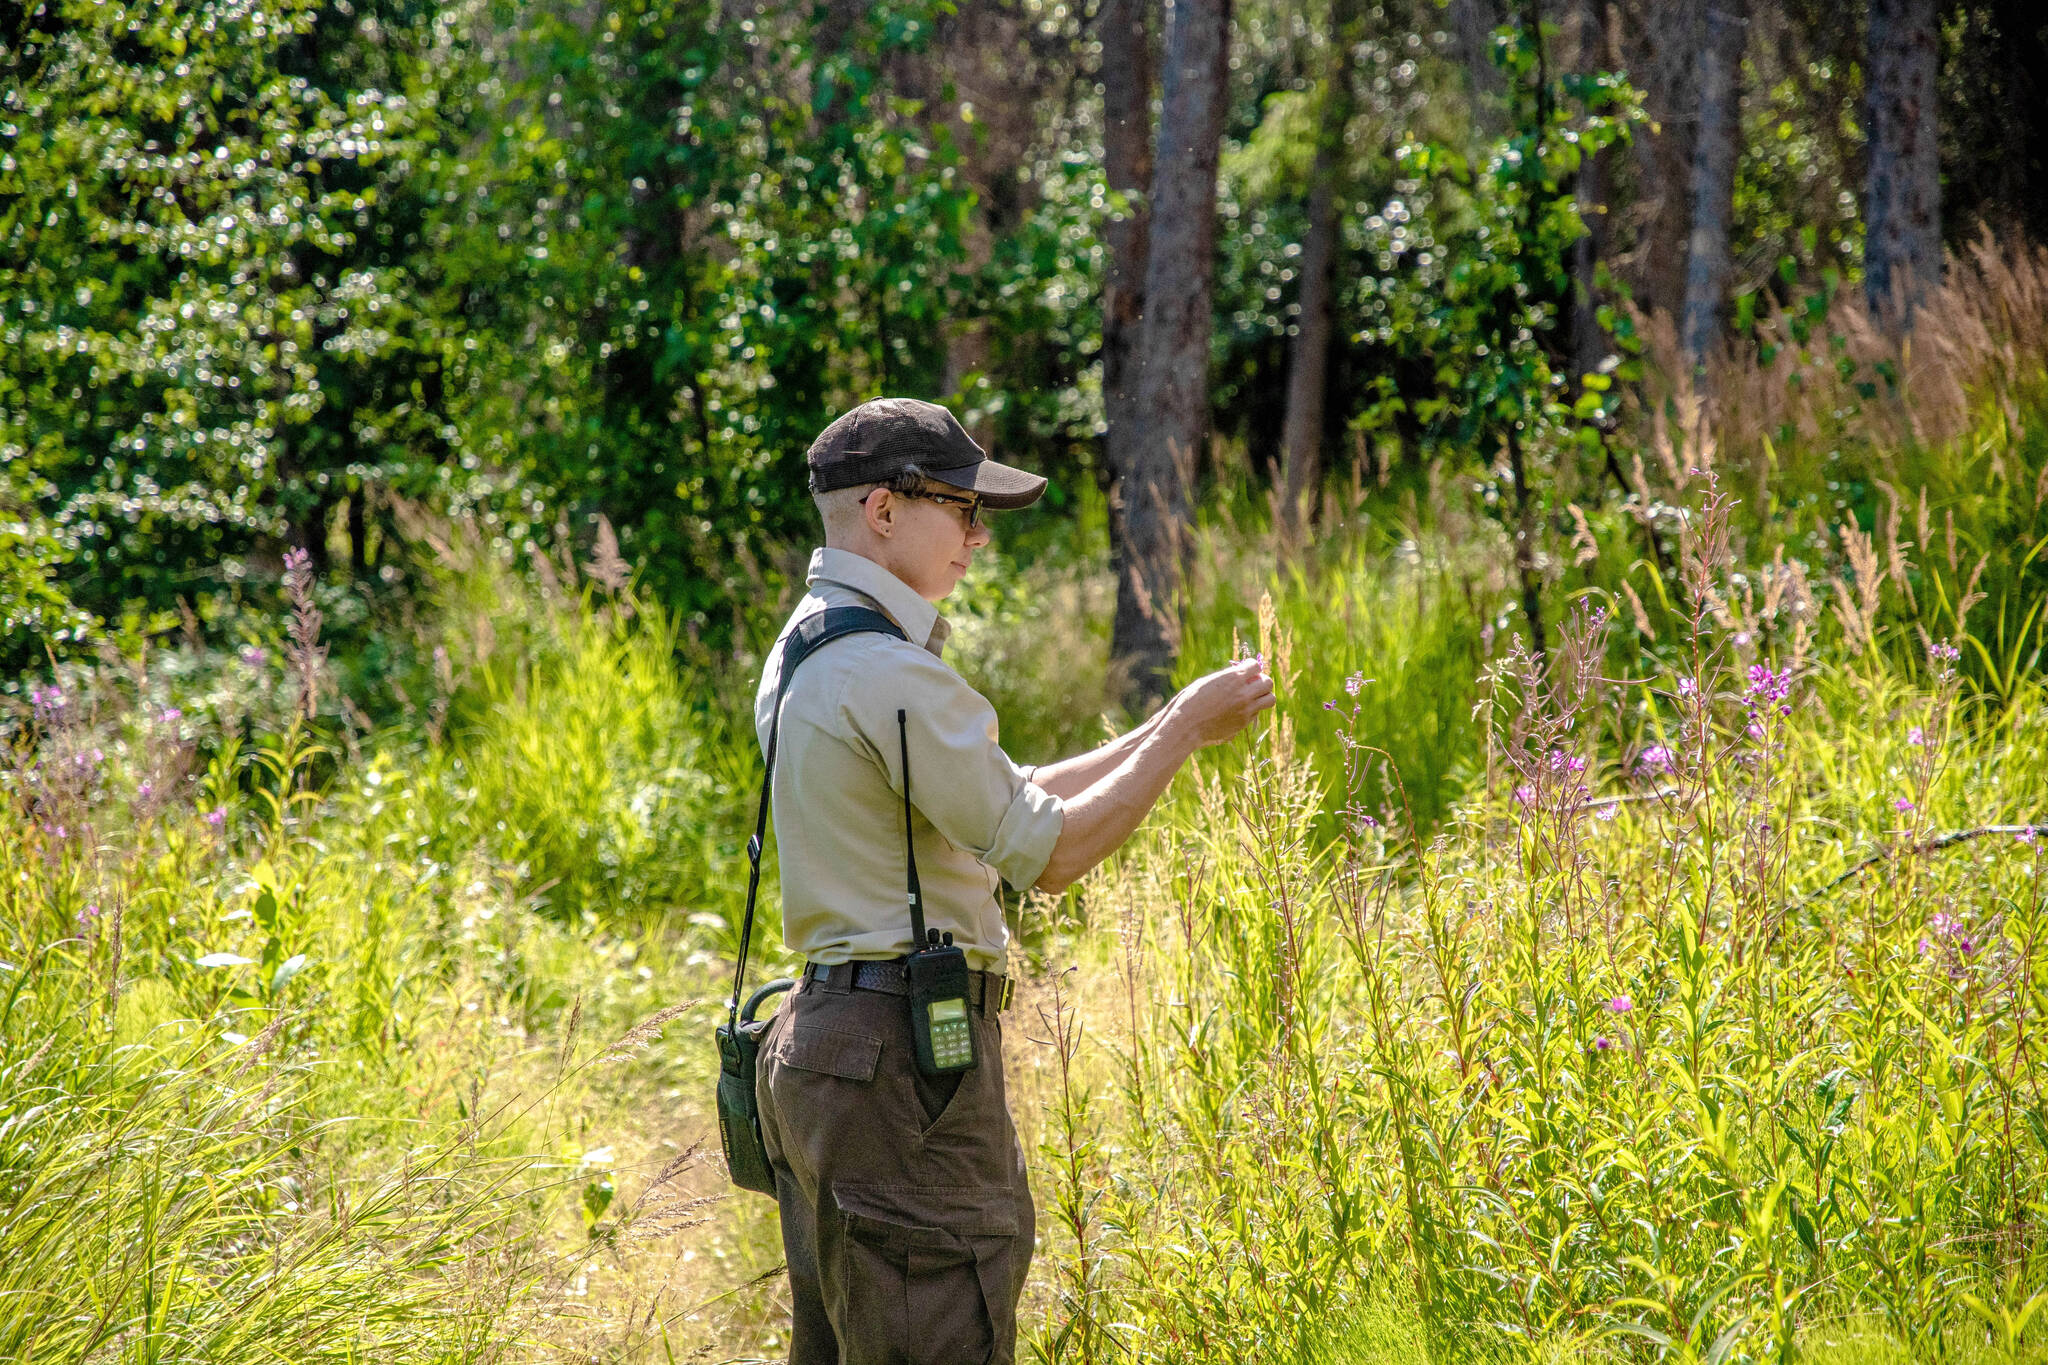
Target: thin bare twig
x=1934, y=845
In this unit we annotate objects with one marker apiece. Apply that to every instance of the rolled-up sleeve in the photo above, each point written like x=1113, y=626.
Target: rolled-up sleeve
x=960, y=778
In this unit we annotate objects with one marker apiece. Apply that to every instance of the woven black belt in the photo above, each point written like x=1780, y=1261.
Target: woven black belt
x=988, y=992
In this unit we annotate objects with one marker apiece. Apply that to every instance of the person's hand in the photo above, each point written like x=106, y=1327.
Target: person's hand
x=1216, y=706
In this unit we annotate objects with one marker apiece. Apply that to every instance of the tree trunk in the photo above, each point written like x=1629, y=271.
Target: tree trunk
x=1472, y=23
x=1173, y=370
x=1126, y=71
x=1713, y=179
x=1660, y=44
x=1301, y=435
x=1590, y=342
x=1902, y=196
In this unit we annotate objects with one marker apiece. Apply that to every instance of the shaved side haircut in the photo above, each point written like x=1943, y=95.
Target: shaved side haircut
x=840, y=510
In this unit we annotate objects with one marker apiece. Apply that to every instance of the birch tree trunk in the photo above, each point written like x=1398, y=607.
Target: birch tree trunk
x=1126, y=74
x=1902, y=196
x=1301, y=435
x=1713, y=179
x=1173, y=368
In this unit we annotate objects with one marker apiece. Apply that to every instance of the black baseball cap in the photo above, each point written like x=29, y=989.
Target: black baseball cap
x=884, y=437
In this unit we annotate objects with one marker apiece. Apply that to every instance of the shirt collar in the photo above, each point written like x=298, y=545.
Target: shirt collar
x=919, y=619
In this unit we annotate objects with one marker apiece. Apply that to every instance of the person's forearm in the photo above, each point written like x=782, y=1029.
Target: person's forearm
x=1070, y=777
x=1102, y=816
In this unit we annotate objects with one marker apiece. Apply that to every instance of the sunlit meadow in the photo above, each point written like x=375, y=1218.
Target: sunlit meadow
x=1677, y=998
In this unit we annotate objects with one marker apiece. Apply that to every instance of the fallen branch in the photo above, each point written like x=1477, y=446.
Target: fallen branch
x=1599, y=801
x=1934, y=845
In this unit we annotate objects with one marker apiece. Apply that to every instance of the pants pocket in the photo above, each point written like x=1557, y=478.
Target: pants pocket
x=928, y=1275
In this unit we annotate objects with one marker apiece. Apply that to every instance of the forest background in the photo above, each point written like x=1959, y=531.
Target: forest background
x=272, y=272
x=1620, y=424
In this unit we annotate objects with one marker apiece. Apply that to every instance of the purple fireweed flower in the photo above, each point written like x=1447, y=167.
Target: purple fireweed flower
x=1562, y=762
x=1602, y=1043
x=1916, y=737
x=1943, y=652
x=1950, y=932
x=216, y=817
x=1654, y=760
x=1756, y=730
x=1902, y=805
x=255, y=656
x=1525, y=795
x=1608, y=812
x=1354, y=684
x=1329, y=706
x=1687, y=687
x=1765, y=685
x=1621, y=1004
x=170, y=715
x=2026, y=834
x=143, y=790
x=1367, y=822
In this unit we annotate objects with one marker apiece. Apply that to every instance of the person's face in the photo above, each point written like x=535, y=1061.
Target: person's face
x=931, y=535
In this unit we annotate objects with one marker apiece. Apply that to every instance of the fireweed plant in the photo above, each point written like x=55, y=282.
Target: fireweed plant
x=1708, y=1028
x=1677, y=1000
x=293, y=1065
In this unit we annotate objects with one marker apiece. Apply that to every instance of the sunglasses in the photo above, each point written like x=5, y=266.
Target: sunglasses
x=972, y=504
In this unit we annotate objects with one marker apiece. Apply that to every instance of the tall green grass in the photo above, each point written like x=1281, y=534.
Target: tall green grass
x=306, y=1043
x=311, y=1069
x=1707, y=1027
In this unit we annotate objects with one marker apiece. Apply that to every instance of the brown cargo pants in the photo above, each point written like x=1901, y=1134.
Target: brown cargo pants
x=906, y=1219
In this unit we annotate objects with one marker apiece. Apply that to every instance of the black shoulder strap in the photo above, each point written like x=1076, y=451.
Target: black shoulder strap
x=805, y=638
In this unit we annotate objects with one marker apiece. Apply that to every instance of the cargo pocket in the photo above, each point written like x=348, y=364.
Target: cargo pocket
x=930, y=1271
x=829, y=1052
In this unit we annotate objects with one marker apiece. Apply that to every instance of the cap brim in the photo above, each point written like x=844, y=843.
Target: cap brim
x=1003, y=487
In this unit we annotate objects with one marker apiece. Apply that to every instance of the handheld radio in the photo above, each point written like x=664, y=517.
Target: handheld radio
x=941, y=1027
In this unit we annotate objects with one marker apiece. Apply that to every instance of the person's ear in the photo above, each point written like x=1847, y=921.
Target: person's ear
x=879, y=507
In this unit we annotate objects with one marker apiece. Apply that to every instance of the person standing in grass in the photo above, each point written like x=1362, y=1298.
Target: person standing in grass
x=906, y=1216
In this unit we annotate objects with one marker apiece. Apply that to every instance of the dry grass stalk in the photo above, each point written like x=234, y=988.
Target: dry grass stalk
x=1975, y=349
x=646, y=1031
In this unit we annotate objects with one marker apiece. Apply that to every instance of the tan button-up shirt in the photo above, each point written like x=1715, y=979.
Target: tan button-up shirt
x=838, y=784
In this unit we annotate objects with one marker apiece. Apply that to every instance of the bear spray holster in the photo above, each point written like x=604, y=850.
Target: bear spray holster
x=739, y=1037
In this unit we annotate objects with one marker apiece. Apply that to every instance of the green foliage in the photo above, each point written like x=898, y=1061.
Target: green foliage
x=1637, y=1059
x=730, y=229
x=214, y=311
x=1395, y=629
x=607, y=780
